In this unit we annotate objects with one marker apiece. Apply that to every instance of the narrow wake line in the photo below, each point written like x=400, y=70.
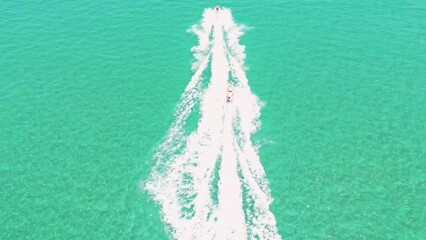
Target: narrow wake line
x=210, y=184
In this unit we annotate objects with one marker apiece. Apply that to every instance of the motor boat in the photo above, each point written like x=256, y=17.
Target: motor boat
x=229, y=93
x=217, y=8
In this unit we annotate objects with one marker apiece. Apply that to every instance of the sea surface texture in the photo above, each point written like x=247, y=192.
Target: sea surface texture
x=325, y=137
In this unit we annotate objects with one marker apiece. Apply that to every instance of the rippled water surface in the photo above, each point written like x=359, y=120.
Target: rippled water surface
x=88, y=89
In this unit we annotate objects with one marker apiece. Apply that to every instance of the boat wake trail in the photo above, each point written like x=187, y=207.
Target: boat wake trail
x=209, y=182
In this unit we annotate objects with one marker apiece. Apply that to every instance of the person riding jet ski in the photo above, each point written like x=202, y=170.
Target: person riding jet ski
x=229, y=93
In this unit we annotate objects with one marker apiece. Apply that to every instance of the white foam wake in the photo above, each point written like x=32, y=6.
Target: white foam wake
x=211, y=184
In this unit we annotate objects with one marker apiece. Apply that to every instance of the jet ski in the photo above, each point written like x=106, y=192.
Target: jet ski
x=217, y=8
x=229, y=93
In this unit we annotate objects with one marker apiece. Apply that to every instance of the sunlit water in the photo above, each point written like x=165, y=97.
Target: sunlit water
x=89, y=90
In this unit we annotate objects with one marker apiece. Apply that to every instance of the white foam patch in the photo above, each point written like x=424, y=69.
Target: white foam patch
x=182, y=180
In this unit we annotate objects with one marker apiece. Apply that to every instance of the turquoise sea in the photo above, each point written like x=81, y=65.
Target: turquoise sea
x=88, y=90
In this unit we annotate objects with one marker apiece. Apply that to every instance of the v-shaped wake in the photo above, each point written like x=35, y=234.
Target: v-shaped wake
x=209, y=182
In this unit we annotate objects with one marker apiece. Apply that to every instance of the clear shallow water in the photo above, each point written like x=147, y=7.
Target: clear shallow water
x=87, y=91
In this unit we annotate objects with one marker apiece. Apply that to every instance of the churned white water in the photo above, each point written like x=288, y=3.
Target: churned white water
x=210, y=183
